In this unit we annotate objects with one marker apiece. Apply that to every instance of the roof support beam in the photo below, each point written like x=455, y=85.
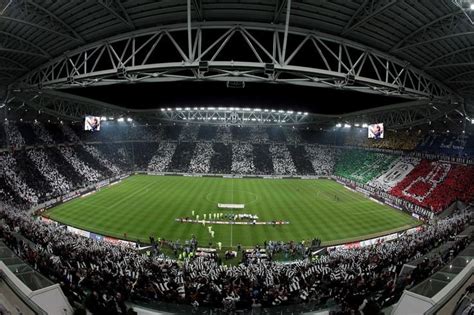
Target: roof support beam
x=117, y=10
x=342, y=63
x=450, y=65
x=40, y=27
x=372, y=10
x=56, y=19
x=26, y=42
x=16, y=63
x=433, y=40
x=279, y=5
x=459, y=75
x=199, y=12
x=285, y=36
x=445, y=21
x=190, y=33
x=23, y=52
x=452, y=53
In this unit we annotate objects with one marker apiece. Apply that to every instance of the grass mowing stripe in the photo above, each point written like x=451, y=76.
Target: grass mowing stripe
x=148, y=205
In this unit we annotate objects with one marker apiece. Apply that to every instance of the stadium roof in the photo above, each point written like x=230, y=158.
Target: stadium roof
x=414, y=49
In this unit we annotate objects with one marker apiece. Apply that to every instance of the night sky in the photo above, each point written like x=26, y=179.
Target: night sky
x=261, y=95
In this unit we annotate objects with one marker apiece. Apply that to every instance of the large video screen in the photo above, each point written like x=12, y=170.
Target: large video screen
x=375, y=131
x=92, y=123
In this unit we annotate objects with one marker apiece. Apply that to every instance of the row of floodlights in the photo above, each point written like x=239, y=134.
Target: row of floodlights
x=255, y=110
x=120, y=119
x=349, y=126
x=243, y=119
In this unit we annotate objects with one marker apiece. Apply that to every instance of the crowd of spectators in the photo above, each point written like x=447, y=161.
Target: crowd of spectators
x=400, y=168
x=447, y=143
x=242, y=159
x=189, y=133
x=258, y=134
x=201, y=161
x=282, y=161
x=393, y=140
x=292, y=135
x=15, y=182
x=362, y=166
x=98, y=156
x=69, y=134
x=300, y=159
x=223, y=134
x=88, y=173
x=102, y=277
x=27, y=133
x=162, y=158
x=59, y=184
x=221, y=161
x=322, y=158
x=435, y=185
x=262, y=159
x=119, y=154
x=14, y=137
x=42, y=134
x=182, y=157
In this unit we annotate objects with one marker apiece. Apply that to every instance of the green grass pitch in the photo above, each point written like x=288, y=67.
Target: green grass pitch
x=143, y=205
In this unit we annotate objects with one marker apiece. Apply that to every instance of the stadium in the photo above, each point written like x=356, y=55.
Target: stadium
x=236, y=157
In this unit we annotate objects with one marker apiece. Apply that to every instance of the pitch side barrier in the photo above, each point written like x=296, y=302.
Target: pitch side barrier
x=83, y=192
x=233, y=175
x=415, y=211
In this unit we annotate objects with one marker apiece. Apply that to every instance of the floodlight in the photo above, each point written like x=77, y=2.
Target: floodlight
x=347, y=126
x=111, y=118
x=471, y=6
x=103, y=118
x=339, y=125
x=120, y=119
x=129, y=119
x=356, y=125
x=365, y=125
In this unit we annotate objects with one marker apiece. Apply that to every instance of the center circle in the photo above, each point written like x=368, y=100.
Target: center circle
x=231, y=196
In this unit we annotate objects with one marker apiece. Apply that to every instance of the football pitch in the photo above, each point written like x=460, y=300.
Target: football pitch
x=143, y=206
